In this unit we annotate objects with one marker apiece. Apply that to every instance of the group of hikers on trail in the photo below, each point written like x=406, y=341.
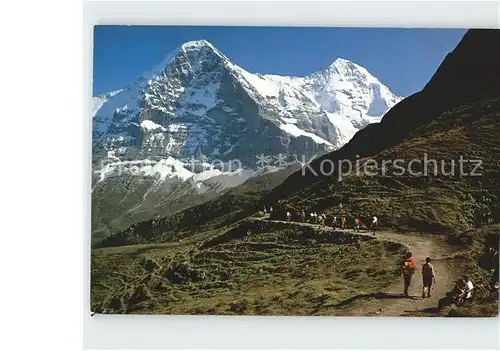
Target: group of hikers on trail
x=356, y=223
x=321, y=219
x=317, y=218
x=270, y=210
x=428, y=274
x=463, y=290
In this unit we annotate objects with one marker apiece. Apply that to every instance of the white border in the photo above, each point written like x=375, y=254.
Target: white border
x=152, y=332
x=354, y=13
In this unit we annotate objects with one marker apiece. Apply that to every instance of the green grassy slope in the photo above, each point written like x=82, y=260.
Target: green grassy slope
x=251, y=268
x=431, y=203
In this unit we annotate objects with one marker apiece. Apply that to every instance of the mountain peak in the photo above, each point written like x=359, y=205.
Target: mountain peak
x=197, y=44
x=344, y=66
x=196, y=48
x=341, y=62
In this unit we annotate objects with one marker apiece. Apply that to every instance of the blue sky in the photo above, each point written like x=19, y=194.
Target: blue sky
x=403, y=59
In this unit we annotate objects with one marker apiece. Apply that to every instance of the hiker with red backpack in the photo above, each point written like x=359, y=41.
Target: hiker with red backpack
x=356, y=224
x=408, y=268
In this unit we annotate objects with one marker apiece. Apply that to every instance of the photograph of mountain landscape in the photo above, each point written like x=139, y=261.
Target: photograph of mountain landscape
x=295, y=171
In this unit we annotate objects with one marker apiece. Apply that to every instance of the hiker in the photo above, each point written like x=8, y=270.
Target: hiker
x=494, y=271
x=321, y=219
x=453, y=295
x=334, y=222
x=342, y=222
x=494, y=279
x=468, y=287
x=463, y=291
x=408, y=270
x=428, y=277
x=374, y=224
x=288, y=216
x=356, y=224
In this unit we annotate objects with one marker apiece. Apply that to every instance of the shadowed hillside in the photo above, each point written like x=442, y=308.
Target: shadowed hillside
x=456, y=114
x=433, y=203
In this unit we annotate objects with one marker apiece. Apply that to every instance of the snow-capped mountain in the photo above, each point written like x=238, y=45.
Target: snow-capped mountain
x=198, y=105
x=197, y=99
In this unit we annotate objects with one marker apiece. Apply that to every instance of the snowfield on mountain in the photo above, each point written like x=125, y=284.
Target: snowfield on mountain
x=198, y=99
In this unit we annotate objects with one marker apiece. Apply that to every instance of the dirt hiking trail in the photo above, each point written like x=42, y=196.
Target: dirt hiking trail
x=391, y=301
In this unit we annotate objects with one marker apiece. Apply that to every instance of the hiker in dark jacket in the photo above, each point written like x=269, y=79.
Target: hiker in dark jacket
x=303, y=216
x=428, y=277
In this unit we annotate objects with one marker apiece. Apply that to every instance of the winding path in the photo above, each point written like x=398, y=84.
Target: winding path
x=392, y=302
